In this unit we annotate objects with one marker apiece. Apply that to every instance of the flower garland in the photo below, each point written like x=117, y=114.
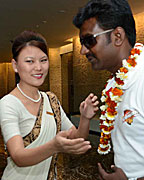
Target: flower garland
x=113, y=97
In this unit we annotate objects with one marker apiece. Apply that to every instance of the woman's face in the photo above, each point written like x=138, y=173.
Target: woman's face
x=32, y=66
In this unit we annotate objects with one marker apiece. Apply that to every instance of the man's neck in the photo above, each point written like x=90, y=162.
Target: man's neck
x=124, y=53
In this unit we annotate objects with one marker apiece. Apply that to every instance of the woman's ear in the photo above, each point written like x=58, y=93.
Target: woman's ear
x=119, y=36
x=14, y=65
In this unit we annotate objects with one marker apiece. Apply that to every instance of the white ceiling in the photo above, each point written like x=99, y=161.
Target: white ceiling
x=52, y=18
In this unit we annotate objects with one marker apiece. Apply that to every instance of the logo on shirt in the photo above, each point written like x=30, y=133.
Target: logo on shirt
x=128, y=116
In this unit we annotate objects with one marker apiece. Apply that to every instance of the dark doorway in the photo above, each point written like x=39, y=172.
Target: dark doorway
x=67, y=82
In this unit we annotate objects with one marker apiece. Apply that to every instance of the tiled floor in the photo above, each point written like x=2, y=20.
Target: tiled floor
x=78, y=167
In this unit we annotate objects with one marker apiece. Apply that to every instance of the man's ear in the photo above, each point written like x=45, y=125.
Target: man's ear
x=119, y=36
x=14, y=65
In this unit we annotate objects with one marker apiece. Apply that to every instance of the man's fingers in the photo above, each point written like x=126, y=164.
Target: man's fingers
x=114, y=168
x=101, y=171
x=100, y=178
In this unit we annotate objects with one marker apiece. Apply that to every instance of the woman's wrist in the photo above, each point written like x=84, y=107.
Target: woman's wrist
x=84, y=118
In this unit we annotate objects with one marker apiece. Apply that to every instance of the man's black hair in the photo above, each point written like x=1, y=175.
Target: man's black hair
x=109, y=15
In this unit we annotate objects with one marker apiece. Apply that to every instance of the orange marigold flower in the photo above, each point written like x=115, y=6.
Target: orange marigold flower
x=101, y=121
x=103, y=141
x=103, y=112
x=137, y=51
x=106, y=136
x=133, y=51
x=123, y=69
x=108, y=100
x=103, y=126
x=117, y=92
x=109, y=121
x=103, y=149
x=132, y=62
x=119, y=81
x=111, y=111
x=111, y=104
x=107, y=92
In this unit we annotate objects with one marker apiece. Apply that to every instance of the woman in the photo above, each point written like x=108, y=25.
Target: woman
x=31, y=120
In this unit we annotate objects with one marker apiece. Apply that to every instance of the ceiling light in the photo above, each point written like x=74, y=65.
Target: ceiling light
x=62, y=11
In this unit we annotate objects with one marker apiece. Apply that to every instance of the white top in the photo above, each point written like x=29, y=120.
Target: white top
x=127, y=136
x=15, y=119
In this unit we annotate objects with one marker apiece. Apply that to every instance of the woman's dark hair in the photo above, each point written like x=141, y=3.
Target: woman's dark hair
x=28, y=38
x=109, y=15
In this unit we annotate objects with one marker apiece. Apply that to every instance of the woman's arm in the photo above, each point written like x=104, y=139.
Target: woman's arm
x=88, y=110
x=24, y=157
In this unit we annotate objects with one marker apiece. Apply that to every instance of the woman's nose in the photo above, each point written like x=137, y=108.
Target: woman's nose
x=38, y=65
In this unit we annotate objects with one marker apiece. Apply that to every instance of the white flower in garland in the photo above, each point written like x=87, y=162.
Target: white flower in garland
x=103, y=117
x=103, y=107
x=103, y=98
x=121, y=75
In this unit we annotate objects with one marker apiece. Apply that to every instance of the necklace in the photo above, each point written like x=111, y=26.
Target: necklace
x=113, y=97
x=37, y=100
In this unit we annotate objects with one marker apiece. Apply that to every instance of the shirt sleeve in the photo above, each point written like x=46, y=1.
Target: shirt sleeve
x=65, y=122
x=9, y=119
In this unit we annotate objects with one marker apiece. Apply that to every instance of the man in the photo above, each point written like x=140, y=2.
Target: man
x=107, y=36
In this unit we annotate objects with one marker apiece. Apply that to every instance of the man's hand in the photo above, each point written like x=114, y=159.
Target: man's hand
x=117, y=174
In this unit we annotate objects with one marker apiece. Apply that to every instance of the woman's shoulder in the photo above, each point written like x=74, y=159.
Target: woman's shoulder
x=9, y=99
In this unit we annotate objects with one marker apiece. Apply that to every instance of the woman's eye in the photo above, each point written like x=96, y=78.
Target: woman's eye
x=29, y=61
x=44, y=60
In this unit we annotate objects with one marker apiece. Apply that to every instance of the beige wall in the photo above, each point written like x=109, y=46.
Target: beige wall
x=7, y=78
x=139, y=19
x=55, y=72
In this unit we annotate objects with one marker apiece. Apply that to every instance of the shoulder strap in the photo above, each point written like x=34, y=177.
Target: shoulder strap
x=57, y=115
x=55, y=108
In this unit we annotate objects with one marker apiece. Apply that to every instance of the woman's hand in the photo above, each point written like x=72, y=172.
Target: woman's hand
x=89, y=107
x=117, y=174
x=88, y=110
x=74, y=146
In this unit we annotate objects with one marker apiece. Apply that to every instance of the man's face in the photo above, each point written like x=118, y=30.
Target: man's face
x=103, y=54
